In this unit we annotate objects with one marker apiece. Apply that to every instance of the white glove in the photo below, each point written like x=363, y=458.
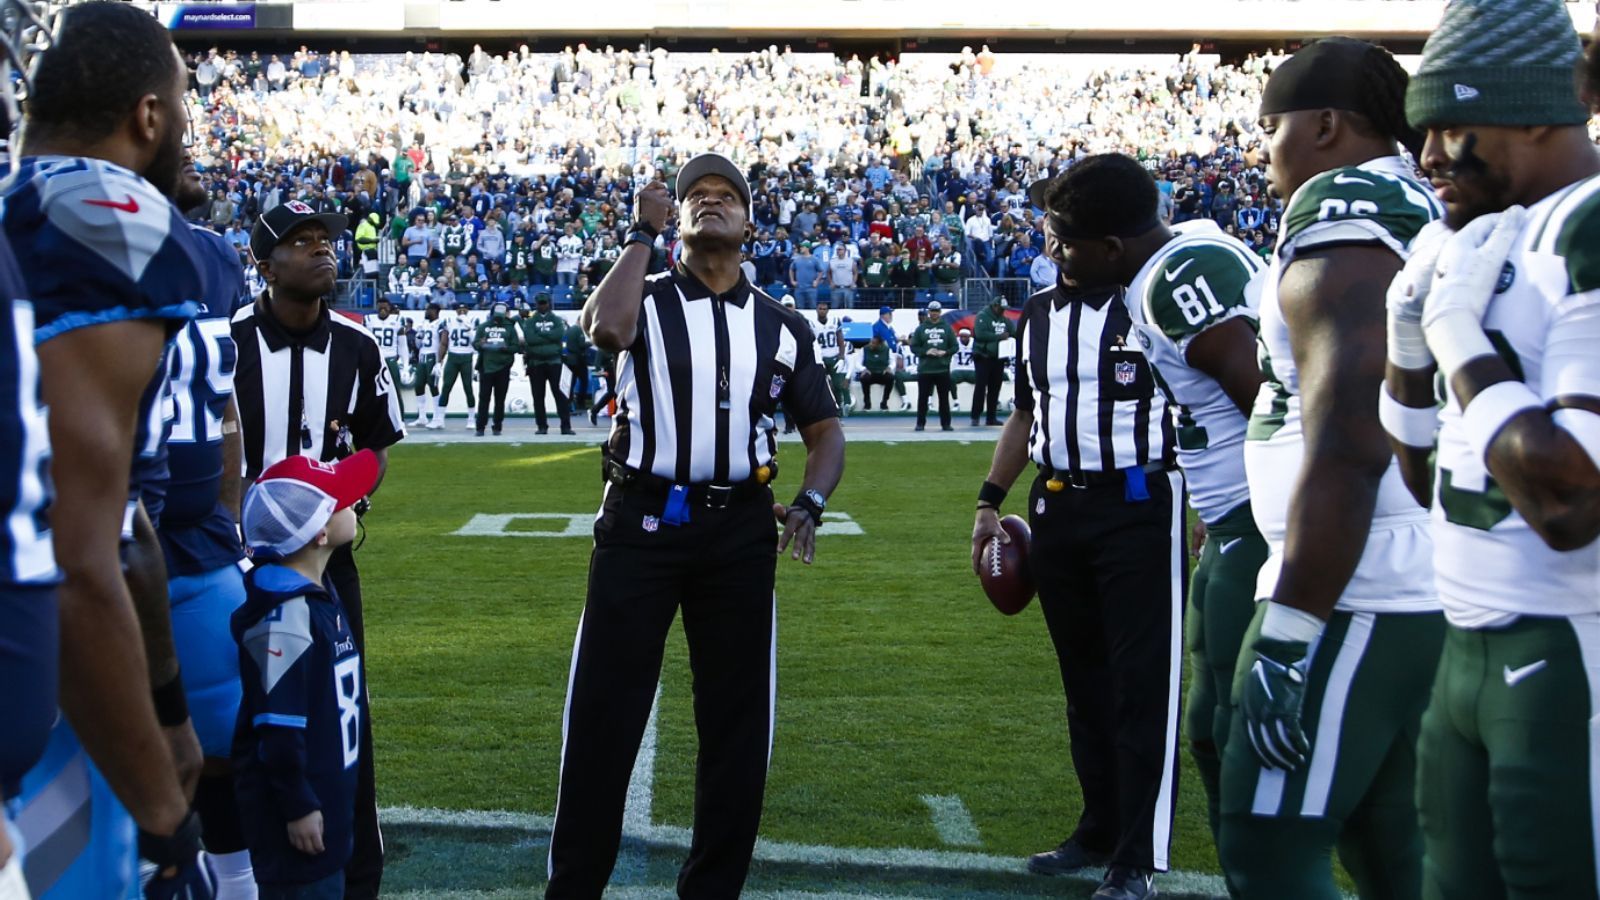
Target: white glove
x=1464, y=282
x=1408, y=349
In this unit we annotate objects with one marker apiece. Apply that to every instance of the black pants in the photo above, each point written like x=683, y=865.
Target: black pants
x=549, y=374
x=1112, y=580
x=986, y=393
x=580, y=386
x=364, y=873
x=940, y=383
x=719, y=569
x=493, y=384
x=868, y=379
x=608, y=393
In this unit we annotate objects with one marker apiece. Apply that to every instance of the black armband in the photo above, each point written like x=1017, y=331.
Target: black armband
x=172, y=707
x=991, y=495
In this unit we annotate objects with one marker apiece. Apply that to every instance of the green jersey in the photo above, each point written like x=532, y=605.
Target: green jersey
x=876, y=273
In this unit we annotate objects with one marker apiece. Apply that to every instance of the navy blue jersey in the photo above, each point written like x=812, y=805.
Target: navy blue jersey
x=297, y=738
x=99, y=244
x=197, y=532
x=26, y=556
x=148, y=478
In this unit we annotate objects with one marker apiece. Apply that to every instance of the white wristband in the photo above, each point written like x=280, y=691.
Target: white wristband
x=1489, y=412
x=1285, y=623
x=1407, y=424
x=1456, y=338
x=1408, y=347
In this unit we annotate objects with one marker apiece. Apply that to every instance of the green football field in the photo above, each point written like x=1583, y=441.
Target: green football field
x=920, y=745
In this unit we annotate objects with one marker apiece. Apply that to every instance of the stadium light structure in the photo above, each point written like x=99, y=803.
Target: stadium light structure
x=27, y=29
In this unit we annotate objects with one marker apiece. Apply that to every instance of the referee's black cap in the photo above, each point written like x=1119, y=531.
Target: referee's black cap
x=711, y=164
x=277, y=222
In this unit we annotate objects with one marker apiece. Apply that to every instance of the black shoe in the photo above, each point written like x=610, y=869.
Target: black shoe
x=594, y=417
x=921, y=427
x=884, y=406
x=497, y=432
x=542, y=431
x=568, y=431
x=947, y=428
x=1066, y=859
x=974, y=423
x=1122, y=883
x=989, y=422
x=478, y=432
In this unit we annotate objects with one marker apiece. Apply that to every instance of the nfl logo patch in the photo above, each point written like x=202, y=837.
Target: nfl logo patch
x=299, y=207
x=1126, y=373
x=777, y=386
x=651, y=523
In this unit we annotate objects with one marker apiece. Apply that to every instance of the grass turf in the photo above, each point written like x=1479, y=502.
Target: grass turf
x=897, y=679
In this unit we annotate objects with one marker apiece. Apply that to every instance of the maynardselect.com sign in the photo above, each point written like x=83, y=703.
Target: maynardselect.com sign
x=195, y=16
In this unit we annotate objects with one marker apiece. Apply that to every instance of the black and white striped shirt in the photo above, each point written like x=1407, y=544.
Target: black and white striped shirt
x=1092, y=392
x=324, y=394
x=698, y=390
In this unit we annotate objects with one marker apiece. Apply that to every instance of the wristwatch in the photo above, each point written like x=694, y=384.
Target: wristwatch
x=813, y=503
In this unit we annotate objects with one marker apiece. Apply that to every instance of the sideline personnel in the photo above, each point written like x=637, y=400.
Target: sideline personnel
x=312, y=383
x=686, y=519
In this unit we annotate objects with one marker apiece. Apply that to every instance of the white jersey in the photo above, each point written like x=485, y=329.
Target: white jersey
x=1490, y=564
x=1197, y=281
x=427, y=338
x=459, y=332
x=1377, y=203
x=388, y=332
x=827, y=334
x=962, y=360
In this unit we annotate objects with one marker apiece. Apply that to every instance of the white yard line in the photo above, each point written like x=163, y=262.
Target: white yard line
x=952, y=821
x=641, y=786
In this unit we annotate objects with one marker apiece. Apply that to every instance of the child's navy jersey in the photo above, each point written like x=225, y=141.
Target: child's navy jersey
x=297, y=739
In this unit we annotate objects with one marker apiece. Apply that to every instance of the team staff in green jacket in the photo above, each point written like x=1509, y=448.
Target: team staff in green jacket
x=542, y=337
x=877, y=367
x=988, y=331
x=497, y=347
x=576, y=358
x=933, y=342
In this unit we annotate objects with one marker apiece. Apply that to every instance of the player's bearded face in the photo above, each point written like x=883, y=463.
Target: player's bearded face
x=166, y=167
x=1470, y=171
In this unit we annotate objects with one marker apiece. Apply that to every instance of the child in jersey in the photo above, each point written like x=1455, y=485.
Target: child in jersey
x=297, y=740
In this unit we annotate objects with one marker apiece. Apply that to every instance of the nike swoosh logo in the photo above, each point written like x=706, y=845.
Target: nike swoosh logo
x=274, y=652
x=129, y=205
x=1173, y=275
x=1350, y=179
x=1515, y=675
x=1228, y=545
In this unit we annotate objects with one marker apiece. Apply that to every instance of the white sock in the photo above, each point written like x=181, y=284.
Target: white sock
x=12, y=887
x=235, y=878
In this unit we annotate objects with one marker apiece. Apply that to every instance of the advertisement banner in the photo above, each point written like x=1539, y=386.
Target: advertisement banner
x=209, y=16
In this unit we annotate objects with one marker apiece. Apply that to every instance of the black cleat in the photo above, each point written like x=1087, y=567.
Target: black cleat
x=568, y=431
x=594, y=417
x=497, y=432
x=478, y=432
x=1066, y=859
x=1123, y=883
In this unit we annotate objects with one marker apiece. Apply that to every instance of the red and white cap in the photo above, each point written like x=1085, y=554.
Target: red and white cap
x=295, y=497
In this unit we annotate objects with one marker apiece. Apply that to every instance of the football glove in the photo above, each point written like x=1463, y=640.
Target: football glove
x=1271, y=700
x=194, y=878
x=1464, y=281
x=1407, y=294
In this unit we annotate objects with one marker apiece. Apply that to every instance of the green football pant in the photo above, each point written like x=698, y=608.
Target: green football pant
x=963, y=376
x=1509, y=784
x=1222, y=600
x=393, y=362
x=423, y=379
x=457, y=365
x=1368, y=682
x=901, y=379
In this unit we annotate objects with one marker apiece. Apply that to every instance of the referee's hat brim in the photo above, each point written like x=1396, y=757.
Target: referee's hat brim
x=272, y=228
x=710, y=164
x=1039, y=192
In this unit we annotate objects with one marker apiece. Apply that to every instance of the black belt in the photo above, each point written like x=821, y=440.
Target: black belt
x=1056, y=479
x=711, y=496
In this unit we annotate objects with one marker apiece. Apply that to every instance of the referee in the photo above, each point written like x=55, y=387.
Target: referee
x=313, y=383
x=1106, y=509
x=686, y=520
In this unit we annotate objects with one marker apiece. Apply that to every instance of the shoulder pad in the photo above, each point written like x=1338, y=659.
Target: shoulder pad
x=1397, y=208
x=277, y=641
x=114, y=213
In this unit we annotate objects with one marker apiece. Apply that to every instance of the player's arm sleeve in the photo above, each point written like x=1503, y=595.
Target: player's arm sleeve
x=378, y=423
x=1021, y=385
x=806, y=396
x=106, y=249
x=1212, y=287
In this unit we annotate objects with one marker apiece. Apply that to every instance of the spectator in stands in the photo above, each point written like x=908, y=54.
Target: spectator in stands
x=842, y=271
x=805, y=275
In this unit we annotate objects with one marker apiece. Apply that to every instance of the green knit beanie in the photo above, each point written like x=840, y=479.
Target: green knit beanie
x=1499, y=62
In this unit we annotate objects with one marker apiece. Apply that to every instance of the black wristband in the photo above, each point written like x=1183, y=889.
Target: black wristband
x=647, y=228
x=176, y=851
x=642, y=238
x=802, y=502
x=991, y=494
x=172, y=707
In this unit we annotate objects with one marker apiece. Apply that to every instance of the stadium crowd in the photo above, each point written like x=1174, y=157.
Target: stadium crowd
x=500, y=177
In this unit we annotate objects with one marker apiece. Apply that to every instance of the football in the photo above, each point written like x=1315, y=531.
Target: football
x=1005, y=574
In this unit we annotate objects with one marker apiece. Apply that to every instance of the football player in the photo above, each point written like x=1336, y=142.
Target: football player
x=1336, y=665
x=1506, y=312
x=388, y=327
x=459, y=332
x=1192, y=297
x=428, y=337
x=828, y=337
x=112, y=272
